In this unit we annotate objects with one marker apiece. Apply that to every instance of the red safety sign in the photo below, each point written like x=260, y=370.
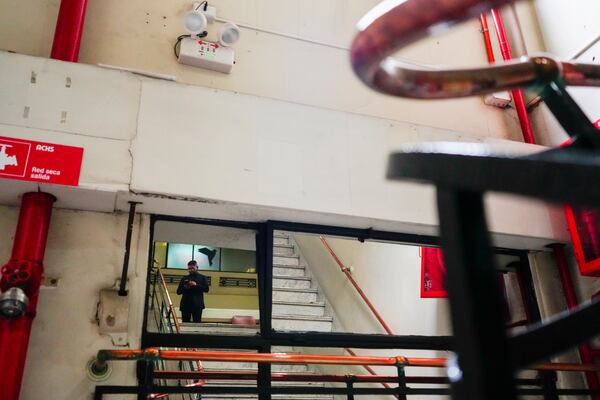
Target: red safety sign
x=27, y=160
x=433, y=273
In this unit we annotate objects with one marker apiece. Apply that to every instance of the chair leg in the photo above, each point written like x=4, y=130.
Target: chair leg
x=475, y=301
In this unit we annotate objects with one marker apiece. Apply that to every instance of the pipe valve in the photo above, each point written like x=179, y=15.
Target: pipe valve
x=13, y=303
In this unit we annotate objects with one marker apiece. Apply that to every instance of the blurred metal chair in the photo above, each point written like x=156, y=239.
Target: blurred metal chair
x=487, y=359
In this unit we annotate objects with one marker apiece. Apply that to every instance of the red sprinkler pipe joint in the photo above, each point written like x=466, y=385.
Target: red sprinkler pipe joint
x=23, y=272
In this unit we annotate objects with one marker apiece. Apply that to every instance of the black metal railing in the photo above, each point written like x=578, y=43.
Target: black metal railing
x=166, y=320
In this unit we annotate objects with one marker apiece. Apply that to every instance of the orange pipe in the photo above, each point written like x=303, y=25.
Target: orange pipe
x=426, y=362
x=276, y=358
x=346, y=271
x=567, y=367
x=283, y=358
x=522, y=322
x=369, y=369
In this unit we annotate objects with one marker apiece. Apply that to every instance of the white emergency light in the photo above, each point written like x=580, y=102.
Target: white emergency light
x=199, y=52
x=229, y=34
x=195, y=22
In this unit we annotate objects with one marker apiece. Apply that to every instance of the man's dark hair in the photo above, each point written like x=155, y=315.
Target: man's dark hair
x=193, y=262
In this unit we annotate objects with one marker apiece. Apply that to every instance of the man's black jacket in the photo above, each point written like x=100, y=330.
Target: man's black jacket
x=192, y=297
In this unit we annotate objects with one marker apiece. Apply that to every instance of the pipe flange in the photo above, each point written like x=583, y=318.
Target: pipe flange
x=13, y=303
x=17, y=272
x=97, y=370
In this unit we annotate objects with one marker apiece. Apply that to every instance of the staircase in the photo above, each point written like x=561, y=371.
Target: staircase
x=296, y=304
x=296, y=307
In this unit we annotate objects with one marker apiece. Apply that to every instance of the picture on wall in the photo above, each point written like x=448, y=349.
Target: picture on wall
x=207, y=257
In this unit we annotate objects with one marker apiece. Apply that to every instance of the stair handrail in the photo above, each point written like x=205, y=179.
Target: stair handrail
x=173, y=314
x=154, y=353
x=362, y=294
x=168, y=296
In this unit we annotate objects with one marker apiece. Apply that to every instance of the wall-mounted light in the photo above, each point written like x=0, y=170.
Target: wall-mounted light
x=229, y=34
x=195, y=22
x=195, y=51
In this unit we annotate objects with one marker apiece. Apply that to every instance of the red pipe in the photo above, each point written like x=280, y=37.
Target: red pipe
x=517, y=94
x=585, y=351
x=486, y=37
x=69, y=29
x=24, y=269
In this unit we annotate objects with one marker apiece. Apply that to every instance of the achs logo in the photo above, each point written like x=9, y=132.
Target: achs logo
x=6, y=160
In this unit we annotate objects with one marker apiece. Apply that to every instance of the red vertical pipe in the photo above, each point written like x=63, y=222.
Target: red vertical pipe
x=69, y=28
x=486, y=37
x=28, y=252
x=585, y=351
x=517, y=94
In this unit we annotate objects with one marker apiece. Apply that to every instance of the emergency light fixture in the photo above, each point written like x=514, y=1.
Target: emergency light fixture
x=195, y=22
x=229, y=34
x=194, y=50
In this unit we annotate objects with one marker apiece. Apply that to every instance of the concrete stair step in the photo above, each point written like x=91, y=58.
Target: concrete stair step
x=218, y=328
x=295, y=295
x=289, y=270
x=310, y=323
x=277, y=240
x=249, y=366
x=298, y=308
x=283, y=250
x=289, y=281
x=275, y=396
x=228, y=382
x=286, y=260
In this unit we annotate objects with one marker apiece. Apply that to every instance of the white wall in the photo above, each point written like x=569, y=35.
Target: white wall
x=233, y=156
x=140, y=34
x=217, y=236
x=390, y=276
x=85, y=252
x=551, y=301
x=101, y=113
x=246, y=149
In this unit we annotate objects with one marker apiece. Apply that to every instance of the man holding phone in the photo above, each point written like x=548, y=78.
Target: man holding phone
x=192, y=289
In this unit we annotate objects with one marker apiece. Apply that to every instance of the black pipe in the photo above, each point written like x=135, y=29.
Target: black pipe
x=123, y=285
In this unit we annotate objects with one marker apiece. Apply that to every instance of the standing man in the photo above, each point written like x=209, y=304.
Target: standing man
x=192, y=289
